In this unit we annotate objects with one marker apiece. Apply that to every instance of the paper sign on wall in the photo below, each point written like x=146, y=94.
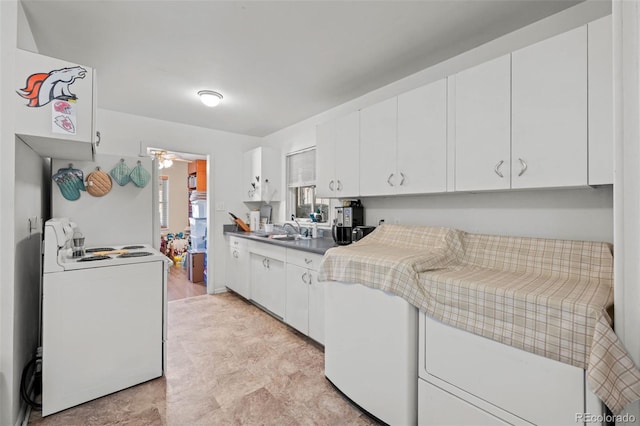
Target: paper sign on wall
x=63, y=117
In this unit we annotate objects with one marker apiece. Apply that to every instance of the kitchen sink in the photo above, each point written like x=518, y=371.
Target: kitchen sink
x=281, y=237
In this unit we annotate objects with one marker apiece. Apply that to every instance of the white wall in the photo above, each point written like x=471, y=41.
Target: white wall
x=122, y=216
x=31, y=197
x=21, y=194
x=626, y=42
x=126, y=134
x=178, y=196
x=9, y=399
x=573, y=214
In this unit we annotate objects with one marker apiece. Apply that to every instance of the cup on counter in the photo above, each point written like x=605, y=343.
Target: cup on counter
x=268, y=227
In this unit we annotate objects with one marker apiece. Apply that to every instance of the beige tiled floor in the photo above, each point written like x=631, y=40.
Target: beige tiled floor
x=228, y=363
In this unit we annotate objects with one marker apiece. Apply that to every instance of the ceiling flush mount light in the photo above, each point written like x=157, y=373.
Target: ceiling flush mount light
x=210, y=98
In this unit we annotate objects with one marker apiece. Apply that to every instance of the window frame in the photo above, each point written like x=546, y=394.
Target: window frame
x=163, y=201
x=292, y=191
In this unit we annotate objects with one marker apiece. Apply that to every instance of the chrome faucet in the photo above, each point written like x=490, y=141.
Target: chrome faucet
x=297, y=231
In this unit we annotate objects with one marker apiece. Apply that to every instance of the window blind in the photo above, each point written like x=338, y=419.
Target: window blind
x=301, y=168
x=163, y=200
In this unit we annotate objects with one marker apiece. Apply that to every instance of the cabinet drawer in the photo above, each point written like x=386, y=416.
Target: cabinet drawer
x=268, y=250
x=239, y=243
x=304, y=259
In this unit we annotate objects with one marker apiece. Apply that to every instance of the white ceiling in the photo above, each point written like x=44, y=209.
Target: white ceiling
x=275, y=62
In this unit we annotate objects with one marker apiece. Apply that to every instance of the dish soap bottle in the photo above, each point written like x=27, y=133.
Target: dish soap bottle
x=314, y=230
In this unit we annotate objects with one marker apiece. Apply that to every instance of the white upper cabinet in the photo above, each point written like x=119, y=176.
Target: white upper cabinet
x=549, y=112
x=403, y=143
x=422, y=140
x=261, y=175
x=482, y=105
x=55, y=106
x=600, y=102
x=337, y=162
x=378, y=137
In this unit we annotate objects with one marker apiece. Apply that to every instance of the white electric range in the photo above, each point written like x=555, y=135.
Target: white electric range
x=103, y=318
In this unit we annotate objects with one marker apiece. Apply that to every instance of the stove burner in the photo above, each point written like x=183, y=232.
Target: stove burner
x=92, y=258
x=97, y=249
x=136, y=254
x=132, y=247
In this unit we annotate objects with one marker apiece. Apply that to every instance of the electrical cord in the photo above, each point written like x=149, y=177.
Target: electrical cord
x=29, y=370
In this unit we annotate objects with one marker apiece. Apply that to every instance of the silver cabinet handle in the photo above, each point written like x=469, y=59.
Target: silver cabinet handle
x=310, y=278
x=524, y=167
x=268, y=267
x=339, y=188
x=389, y=179
x=403, y=177
x=307, y=261
x=303, y=278
x=331, y=185
x=98, y=138
x=264, y=262
x=497, y=169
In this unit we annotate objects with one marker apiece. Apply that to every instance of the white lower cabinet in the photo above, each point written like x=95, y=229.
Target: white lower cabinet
x=305, y=295
x=316, y=310
x=268, y=278
x=283, y=281
x=297, y=306
x=238, y=267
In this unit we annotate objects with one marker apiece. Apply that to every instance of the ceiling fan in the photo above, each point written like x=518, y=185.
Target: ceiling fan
x=165, y=158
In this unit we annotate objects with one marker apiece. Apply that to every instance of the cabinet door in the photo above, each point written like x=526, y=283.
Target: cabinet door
x=600, y=102
x=549, y=112
x=483, y=126
x=251, y=169
x=325, y=159
x=422, y=140
x=201, y=175
x=297, y=306
x=238, y=272
x=44, y=119
x=316, y=308
x=378, y=135
x=347, y=143
x=259, y=281
x=275, y=277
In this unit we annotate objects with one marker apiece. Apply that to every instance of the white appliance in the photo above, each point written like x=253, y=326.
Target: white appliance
x=371, y=350
x=103, y=319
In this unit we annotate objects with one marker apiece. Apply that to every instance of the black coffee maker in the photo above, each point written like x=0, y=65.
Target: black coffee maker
x=348, y=216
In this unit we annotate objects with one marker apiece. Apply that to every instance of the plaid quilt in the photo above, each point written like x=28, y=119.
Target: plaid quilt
x=550, y=297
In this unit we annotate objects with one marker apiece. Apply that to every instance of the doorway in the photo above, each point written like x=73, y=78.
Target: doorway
x=182, y=219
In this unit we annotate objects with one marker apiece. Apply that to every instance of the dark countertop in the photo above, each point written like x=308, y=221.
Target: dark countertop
x=312, y=245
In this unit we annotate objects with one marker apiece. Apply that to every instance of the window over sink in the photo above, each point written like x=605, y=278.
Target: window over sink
x=302, y=201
